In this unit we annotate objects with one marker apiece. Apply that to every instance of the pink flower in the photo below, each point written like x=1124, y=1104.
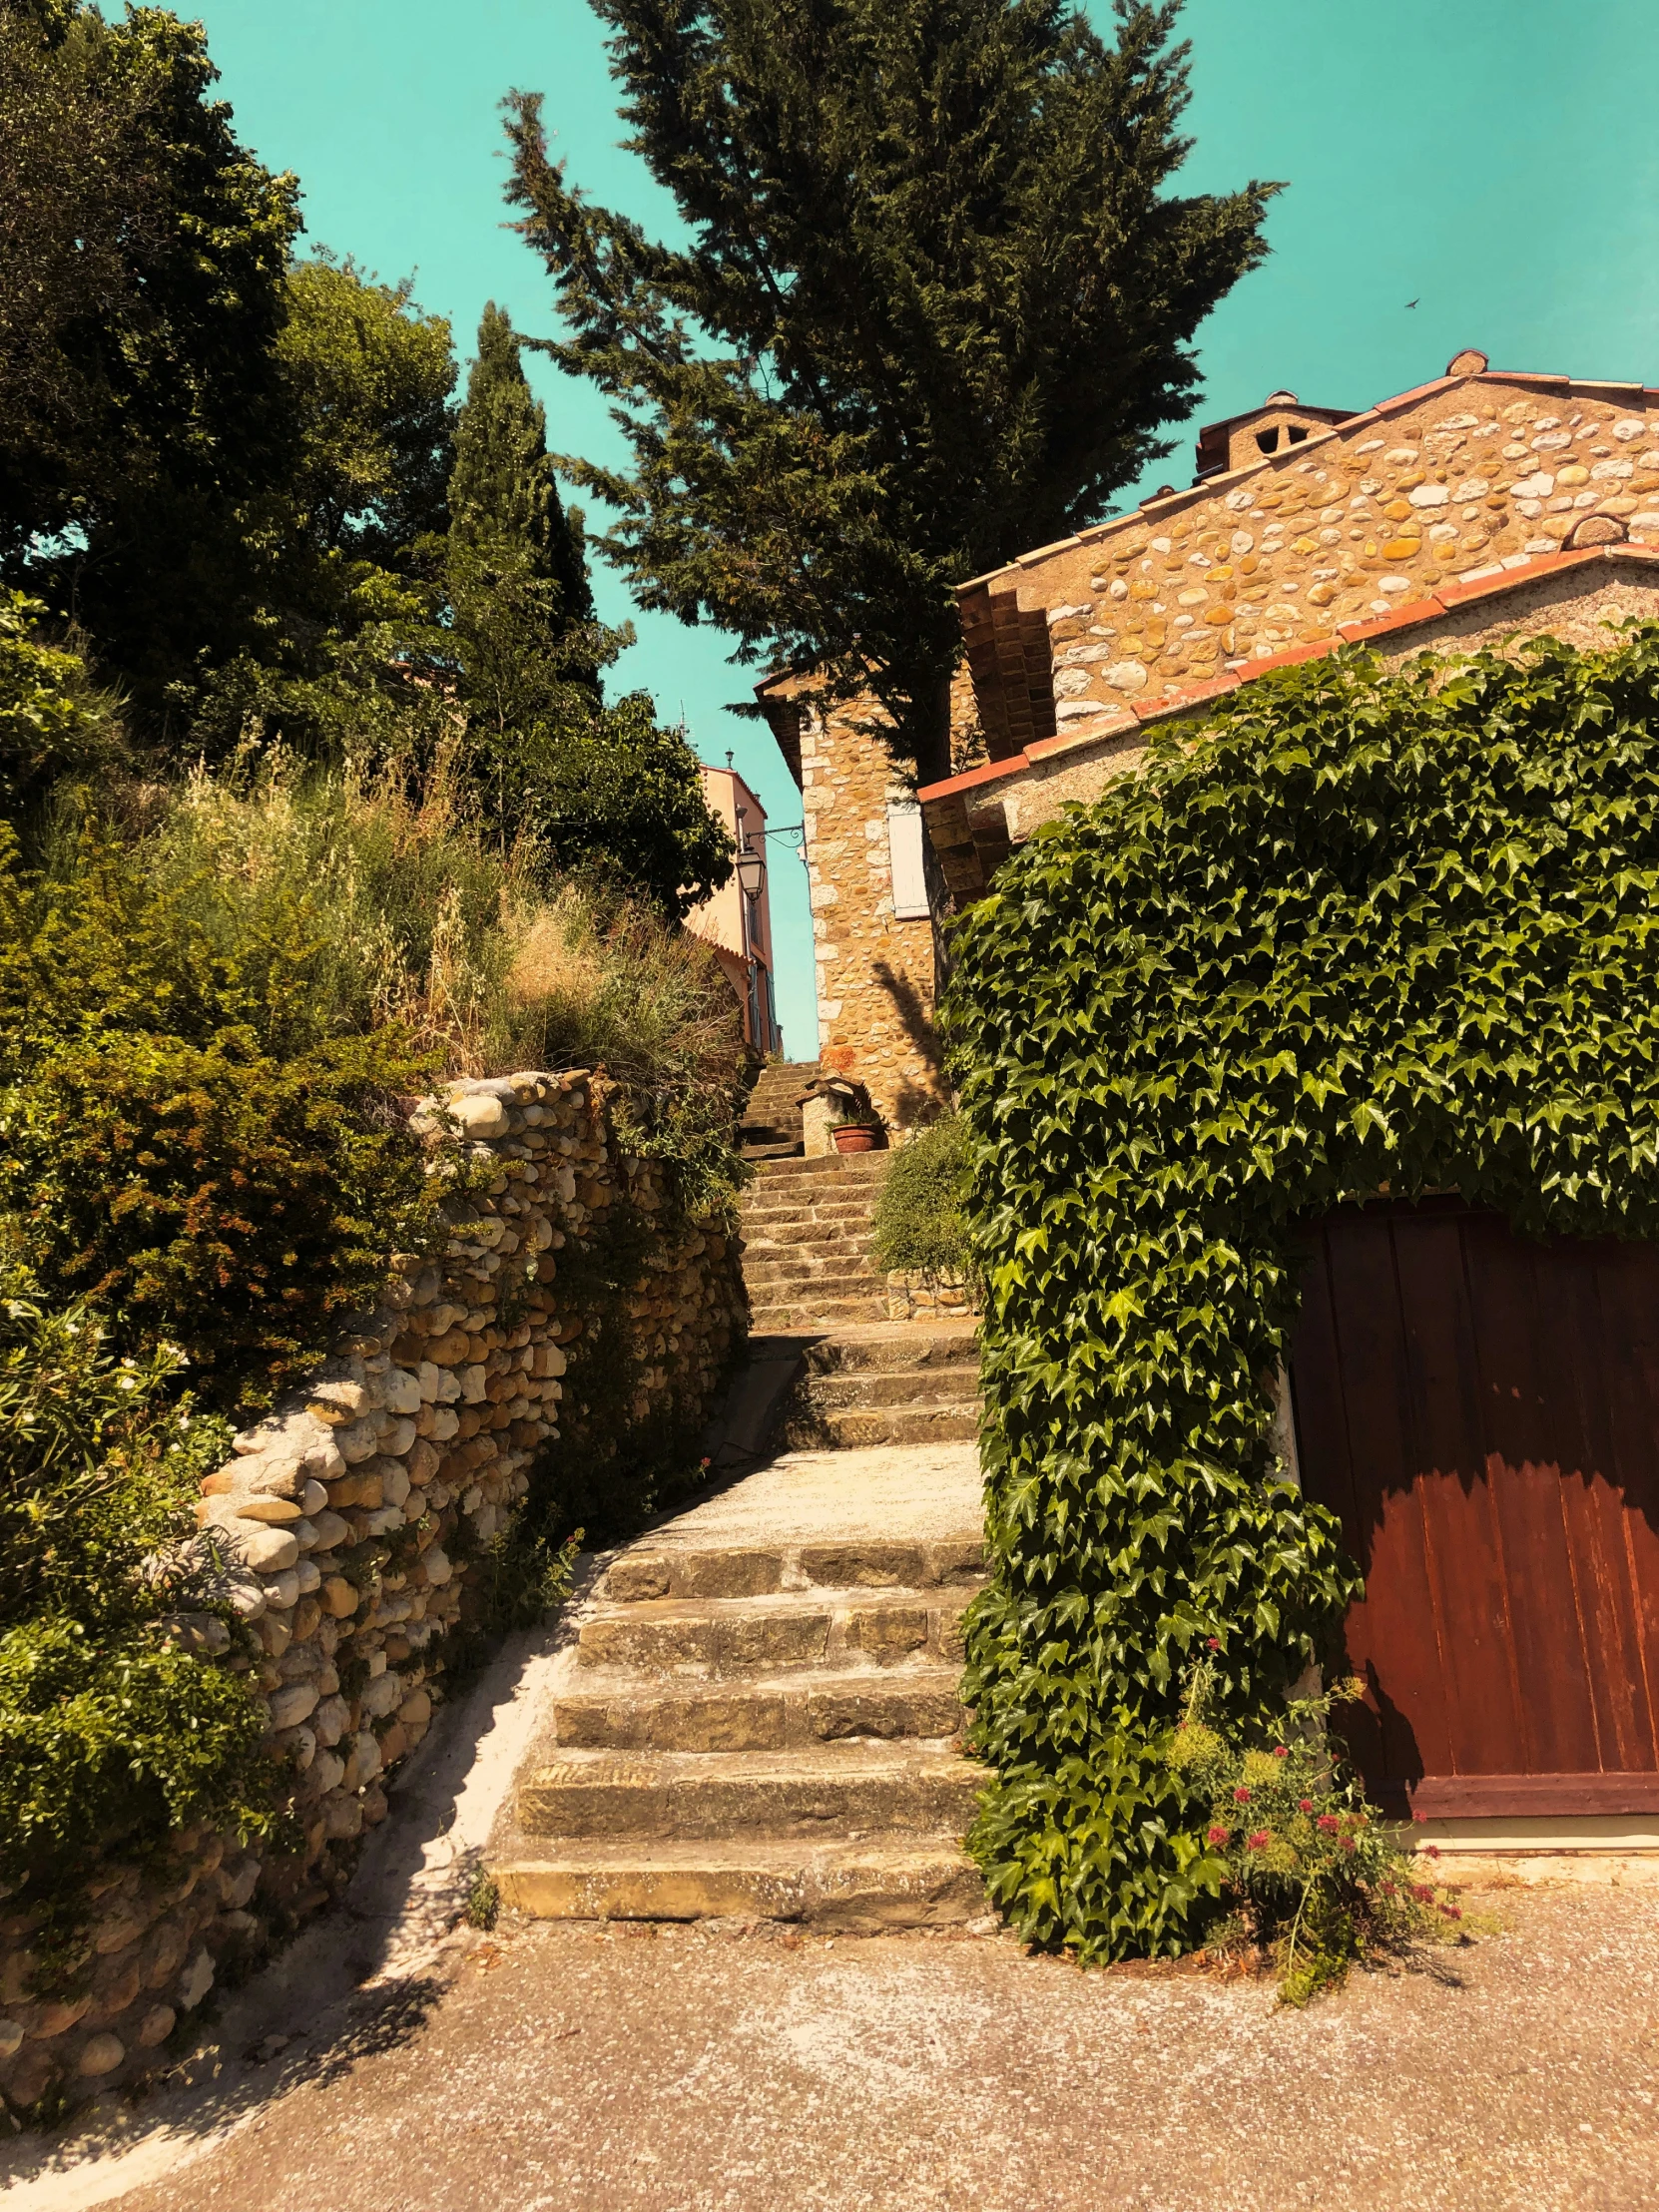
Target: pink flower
x=1281, y=1750
x=1212, y=1643
x=1259, y=1841
x=1432, y=1851
x=1348, y=1843
x=1389, y=1889
x=1423, y=1894
x=1329, y=1822
x=1305, y=1805
x=1452, y=1911
x=1219, y=1834
x=1240, y=1796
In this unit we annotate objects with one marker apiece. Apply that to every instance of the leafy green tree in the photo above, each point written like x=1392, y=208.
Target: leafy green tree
x=504, y=498
x=935, y=307
x=53, y=722
x=342, y=651
x=143, y=255
x=369, y=379
x=618, y=801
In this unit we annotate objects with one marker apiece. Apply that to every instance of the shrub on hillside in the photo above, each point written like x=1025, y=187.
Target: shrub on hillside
x=110, y=1731
x=53, y=722
x=421, y=923
x=165, y=1153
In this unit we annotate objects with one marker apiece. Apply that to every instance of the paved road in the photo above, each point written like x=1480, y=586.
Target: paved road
x=569, y=2070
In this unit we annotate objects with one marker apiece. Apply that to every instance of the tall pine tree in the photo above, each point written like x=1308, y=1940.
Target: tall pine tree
x=602, y=792
x=937, y=306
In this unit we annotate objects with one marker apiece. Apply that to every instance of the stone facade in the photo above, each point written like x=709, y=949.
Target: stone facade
x=913, y=1296
x=972, y=819
x=875, y=972
x=1454, y=494
x=345, y=1525
x=1438, y=518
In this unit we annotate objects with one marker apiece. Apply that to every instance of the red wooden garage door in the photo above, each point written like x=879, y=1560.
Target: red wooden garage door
x=1482, y=1412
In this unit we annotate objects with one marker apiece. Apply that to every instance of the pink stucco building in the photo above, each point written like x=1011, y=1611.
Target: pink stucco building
x=736, y=921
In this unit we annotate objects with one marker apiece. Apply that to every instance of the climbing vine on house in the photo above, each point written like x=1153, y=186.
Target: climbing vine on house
x=1364, y=931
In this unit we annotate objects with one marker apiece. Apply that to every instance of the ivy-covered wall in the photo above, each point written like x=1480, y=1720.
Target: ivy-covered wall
x=562, y=1353
x=1367, y=932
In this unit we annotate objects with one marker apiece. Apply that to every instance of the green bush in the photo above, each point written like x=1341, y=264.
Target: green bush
x=52, y=720
x=418, y=921
x=921, y=1222
x=160, y=1158
x=110, y=1733
x=1364, y=931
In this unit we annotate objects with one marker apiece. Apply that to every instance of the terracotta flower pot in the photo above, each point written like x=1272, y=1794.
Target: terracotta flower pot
x=855, y=1136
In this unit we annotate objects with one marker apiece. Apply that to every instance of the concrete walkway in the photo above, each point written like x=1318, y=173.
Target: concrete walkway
x=699, y=2068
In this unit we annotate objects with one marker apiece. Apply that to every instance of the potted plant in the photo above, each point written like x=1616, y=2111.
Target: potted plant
x=855, y=1136
x=857, y=1125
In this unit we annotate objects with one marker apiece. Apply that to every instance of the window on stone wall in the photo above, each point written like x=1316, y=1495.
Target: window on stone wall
x=910, y=879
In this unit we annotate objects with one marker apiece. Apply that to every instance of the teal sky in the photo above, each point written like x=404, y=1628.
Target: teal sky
x=1493, y=160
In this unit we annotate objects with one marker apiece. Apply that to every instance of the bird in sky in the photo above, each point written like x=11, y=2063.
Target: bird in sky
x=1412, y=303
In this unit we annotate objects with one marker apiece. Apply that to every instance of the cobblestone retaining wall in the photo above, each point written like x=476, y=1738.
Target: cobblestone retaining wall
x=348, y=1519
x=916, y=1297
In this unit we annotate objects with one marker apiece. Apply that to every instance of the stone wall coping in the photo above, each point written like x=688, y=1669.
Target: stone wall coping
x=1114, y=722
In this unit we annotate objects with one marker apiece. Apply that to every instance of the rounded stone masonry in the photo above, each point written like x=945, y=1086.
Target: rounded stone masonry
x=336, y=1528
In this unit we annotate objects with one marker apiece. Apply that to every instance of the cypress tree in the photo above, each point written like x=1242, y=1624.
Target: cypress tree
x=935, y=307
x=504, y=501
x=603, y=792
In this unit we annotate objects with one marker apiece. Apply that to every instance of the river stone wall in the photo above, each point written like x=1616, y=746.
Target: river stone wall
x=345, y=1522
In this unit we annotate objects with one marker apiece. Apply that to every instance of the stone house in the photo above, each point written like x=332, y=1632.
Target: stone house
x=1483, y=505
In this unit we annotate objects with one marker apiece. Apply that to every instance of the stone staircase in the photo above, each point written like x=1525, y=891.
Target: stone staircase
x=765, y=1725
x=894, y=1382
x=806, y=1232
x=771, y=1127
x=755, y=1712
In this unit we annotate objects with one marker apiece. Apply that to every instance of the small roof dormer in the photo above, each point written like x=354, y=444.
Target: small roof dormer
x=1280, y=423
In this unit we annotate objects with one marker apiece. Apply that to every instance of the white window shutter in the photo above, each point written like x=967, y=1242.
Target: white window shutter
x=909, y=878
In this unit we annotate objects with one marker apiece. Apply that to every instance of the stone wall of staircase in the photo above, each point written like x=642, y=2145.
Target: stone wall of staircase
x=345, y=1524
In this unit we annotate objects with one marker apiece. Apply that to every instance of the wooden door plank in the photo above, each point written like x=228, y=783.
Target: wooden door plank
x=1584, y=1315
x=1522, y=1422
x=1485, y=1719
x=1627, y=1281
x=1391, y=1639
x=1324, y=1458
x=1512, y=1796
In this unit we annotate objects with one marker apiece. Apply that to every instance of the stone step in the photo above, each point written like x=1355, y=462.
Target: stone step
x=862, y=1388
x=810, y=1258
x=772, y=1239
x=771, y=1714
x=846, y=1789
x=844, y=1275
x=951, y=1421
x=843, y=1888
x=854, y=1167
x=642, y=1574
x=899, y=1344
x=814, y=1221
x=823, y=1313
x=786, y=1628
